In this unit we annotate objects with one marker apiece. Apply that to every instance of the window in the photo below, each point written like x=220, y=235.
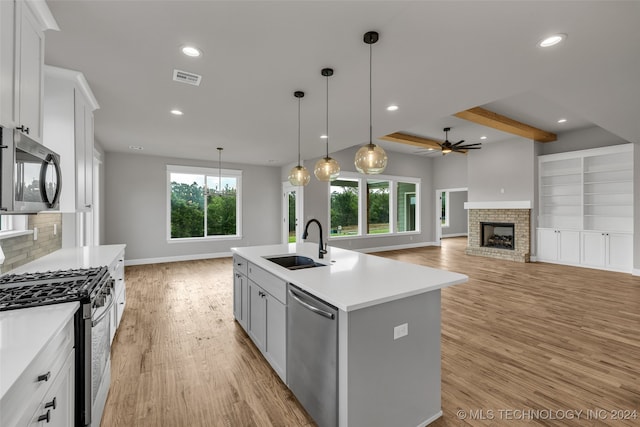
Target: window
x=5, y=223
x=200, y=206
x=366, y=207
x=444, y=215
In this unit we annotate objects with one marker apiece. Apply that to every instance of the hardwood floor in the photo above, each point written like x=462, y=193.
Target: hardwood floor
x=516, y=339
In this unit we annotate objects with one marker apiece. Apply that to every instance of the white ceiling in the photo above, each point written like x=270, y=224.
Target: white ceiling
x=434, y=58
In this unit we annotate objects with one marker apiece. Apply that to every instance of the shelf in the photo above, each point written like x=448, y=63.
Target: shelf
x=608, y=194
x=612, y=205
x=609, y=182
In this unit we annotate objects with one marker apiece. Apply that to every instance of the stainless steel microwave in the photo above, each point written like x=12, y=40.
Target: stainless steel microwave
x=30, y=176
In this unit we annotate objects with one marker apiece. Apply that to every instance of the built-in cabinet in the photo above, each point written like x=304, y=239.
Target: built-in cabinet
x=22, y=53
x=68, y=130
x=586, y=208
x=260, y=307
x=116, y=269
x=44, y=394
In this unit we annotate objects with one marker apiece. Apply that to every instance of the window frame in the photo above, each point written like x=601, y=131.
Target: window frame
x=204, y=171
x=363, y=214
x=445, y=198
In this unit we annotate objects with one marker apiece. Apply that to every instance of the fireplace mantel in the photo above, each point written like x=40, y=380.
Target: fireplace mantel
x=499, y=204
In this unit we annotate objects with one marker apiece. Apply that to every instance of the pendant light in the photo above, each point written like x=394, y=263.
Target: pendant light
x=299, y=175
x=370, y=158
x=327, y=169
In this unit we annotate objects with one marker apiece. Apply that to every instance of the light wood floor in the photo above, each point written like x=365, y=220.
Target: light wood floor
x=516, y=337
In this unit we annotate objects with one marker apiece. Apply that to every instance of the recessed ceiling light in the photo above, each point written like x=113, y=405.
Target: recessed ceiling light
x=392, y=108
x=483, y=137
x=323, y=136
x=552, y=40
x=562, y=120
x=136, y=147
x=177, y=112
x=191, y=51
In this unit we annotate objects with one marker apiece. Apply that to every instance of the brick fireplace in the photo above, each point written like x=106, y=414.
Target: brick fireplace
x=500, y=214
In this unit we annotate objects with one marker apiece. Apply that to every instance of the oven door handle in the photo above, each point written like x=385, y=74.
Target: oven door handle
x=104, y=313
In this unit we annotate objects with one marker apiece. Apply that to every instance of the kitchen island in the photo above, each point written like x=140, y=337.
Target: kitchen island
x=388, y=315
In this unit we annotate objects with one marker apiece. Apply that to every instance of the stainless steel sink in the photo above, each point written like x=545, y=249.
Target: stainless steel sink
x=295, y=262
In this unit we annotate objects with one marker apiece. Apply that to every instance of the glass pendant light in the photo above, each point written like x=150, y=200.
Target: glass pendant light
x=371, y=158
x=299, y=175
x=327, y=169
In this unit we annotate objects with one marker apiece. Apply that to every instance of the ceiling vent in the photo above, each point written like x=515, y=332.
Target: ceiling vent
x=186, y=77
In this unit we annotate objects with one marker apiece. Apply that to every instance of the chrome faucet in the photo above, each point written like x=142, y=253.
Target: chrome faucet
x=321, y=250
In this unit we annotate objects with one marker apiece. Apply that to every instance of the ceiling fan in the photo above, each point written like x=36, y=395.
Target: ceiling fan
x=448, y=147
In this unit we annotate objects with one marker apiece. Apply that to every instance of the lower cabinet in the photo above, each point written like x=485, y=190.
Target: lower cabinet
x=595, y=249
x=268, y=327
x=612, y=251
x=260, y=307
x=57, y=407
x=116, y=269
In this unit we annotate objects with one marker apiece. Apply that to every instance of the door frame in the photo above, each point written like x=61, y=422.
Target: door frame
x=287, y=188
x=438, y=205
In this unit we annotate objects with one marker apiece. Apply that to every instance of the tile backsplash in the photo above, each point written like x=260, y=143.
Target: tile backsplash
x=23, y=249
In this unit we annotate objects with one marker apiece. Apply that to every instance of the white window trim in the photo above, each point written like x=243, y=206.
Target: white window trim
x=206, y=172
x=16, y=225
x=446, y=208
x=362, y=208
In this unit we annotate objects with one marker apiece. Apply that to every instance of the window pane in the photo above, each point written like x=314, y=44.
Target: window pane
x=406, y=207
x=221, y=206
x=377, y=207
x=187, y=205
x=344, y=207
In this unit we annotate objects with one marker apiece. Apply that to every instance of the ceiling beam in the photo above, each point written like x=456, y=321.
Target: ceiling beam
x=416, y=141
x=497, y=121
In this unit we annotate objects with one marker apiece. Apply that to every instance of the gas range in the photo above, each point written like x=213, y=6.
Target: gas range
x=54, y=287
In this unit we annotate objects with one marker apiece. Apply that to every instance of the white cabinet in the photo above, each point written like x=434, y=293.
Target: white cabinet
x=586, y=208
x=116, y=269
x=22, y=53
x=68, y=130
x=559, y=245
x=241, y=291
x=260, y=306
x=612, y=251
x=57, y=407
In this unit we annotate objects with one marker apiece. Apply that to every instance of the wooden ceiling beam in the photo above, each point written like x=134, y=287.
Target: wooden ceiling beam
x=416, y=141
x=502, y=123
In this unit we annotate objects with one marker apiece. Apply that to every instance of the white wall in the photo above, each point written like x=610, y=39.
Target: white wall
x=136, y=208
x=316, y=200
x=502, y=171
x=450, y=171
x=636, y=209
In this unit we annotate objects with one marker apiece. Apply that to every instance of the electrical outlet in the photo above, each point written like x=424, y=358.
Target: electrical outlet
x=400, y=331
x=35, y=233
x=55, y=229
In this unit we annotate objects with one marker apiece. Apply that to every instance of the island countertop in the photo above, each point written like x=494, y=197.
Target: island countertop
x=351, y=280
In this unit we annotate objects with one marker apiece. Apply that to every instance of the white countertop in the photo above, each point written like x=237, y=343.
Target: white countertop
x=352, y=280
x=23, y=335
x=78, y=257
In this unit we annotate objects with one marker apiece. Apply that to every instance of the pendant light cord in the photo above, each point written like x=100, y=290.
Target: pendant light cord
x=327, y=123
x=370, y=95
x=298, y=132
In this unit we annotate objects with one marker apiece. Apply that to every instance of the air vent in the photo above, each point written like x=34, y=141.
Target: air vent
x=186, y=77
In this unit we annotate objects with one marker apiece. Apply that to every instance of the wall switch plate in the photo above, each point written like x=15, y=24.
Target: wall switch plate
x=35, y=233
x=400, y=331
x=55, y=229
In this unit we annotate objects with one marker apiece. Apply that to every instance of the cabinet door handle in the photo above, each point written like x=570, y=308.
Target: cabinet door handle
x=44, y=377
x=262, y=294
x=87, y=206
x=46, y=417
x=24, y=129
x=51, y=404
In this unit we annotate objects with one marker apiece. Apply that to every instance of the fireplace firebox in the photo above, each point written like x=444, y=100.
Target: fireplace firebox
x=497, y=235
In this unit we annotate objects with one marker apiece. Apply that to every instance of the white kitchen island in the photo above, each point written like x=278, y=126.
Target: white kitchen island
x=385, y=377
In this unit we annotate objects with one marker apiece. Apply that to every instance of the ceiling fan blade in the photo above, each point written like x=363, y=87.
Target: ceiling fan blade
x=470, y=148
x=459, y=142
x=472, y=145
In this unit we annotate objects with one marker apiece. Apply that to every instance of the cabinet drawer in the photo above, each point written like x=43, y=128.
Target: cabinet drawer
x=24, y=396
x=240, y=264
x=270, y=283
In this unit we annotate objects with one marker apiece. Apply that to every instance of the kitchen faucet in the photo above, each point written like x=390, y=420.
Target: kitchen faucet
x=321, y=250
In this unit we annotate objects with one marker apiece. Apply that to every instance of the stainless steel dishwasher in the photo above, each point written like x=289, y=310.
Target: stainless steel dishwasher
x=312, y=355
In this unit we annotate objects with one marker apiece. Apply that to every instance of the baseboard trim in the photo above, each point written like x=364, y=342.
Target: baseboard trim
x=430, y=419
x=455, y=235
x=635, y=272
x=193, y=257
x=396, y=247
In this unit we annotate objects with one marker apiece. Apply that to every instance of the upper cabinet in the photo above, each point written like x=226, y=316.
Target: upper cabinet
x=21, y=67
x=68, y=130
